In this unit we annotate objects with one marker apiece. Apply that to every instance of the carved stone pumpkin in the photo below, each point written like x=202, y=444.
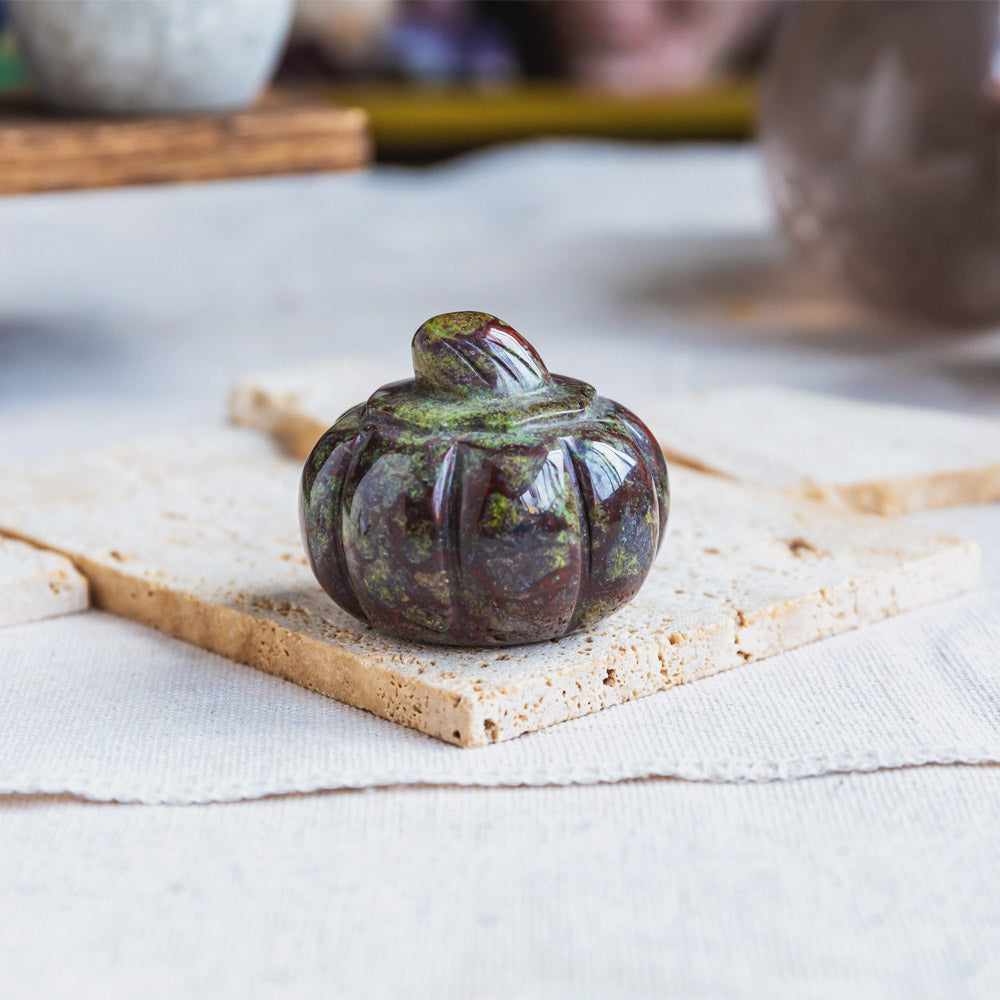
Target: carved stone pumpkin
x=484, y=502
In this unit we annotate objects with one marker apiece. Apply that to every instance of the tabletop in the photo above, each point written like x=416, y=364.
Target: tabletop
x=645, y=270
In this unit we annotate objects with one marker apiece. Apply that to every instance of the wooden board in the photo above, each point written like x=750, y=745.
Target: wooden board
x=285, y=132
x=197, y=534
x=868, y=456
x=36, y=584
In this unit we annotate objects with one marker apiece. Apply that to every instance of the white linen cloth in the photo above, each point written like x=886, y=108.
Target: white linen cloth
x=640, y=269
x=854, y=886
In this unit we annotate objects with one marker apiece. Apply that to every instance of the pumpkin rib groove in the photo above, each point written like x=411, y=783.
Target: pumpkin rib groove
x=585, y=533
x=361, y=443
x=447, y=514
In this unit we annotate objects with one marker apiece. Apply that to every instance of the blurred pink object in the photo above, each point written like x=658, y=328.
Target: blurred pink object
x=650, y=45
x=879, y=125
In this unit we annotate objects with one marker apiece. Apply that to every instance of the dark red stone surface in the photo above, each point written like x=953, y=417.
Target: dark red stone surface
x=485, y=502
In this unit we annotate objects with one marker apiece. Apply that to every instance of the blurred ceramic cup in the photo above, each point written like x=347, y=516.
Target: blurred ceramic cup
x=879, y=126
x=150, y=56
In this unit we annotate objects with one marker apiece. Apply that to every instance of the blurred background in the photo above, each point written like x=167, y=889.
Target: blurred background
x=877, y=121
x=779, y=172
x=439, y=77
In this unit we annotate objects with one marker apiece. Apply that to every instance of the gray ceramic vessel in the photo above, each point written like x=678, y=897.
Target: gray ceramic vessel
x=150, y=56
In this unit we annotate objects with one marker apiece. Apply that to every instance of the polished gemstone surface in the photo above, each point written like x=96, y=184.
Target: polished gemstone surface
x=485, y=501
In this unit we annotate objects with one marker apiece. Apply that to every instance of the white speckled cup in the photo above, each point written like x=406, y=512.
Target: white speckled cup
x=150, y=56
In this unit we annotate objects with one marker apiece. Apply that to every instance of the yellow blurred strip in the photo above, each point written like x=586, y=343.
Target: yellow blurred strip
x=422, y=117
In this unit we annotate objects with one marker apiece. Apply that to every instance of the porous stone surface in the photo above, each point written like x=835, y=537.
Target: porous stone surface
x=870, y=456
x=195, y=533
x=37, y=584
x=296, y=405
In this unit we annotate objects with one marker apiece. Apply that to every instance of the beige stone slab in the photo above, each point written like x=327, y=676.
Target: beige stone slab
x=37, y=584
x=868, y=456
x=295, y=405
x=197, y=534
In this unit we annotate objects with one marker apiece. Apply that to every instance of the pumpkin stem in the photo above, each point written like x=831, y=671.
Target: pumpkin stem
x=465, y=352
